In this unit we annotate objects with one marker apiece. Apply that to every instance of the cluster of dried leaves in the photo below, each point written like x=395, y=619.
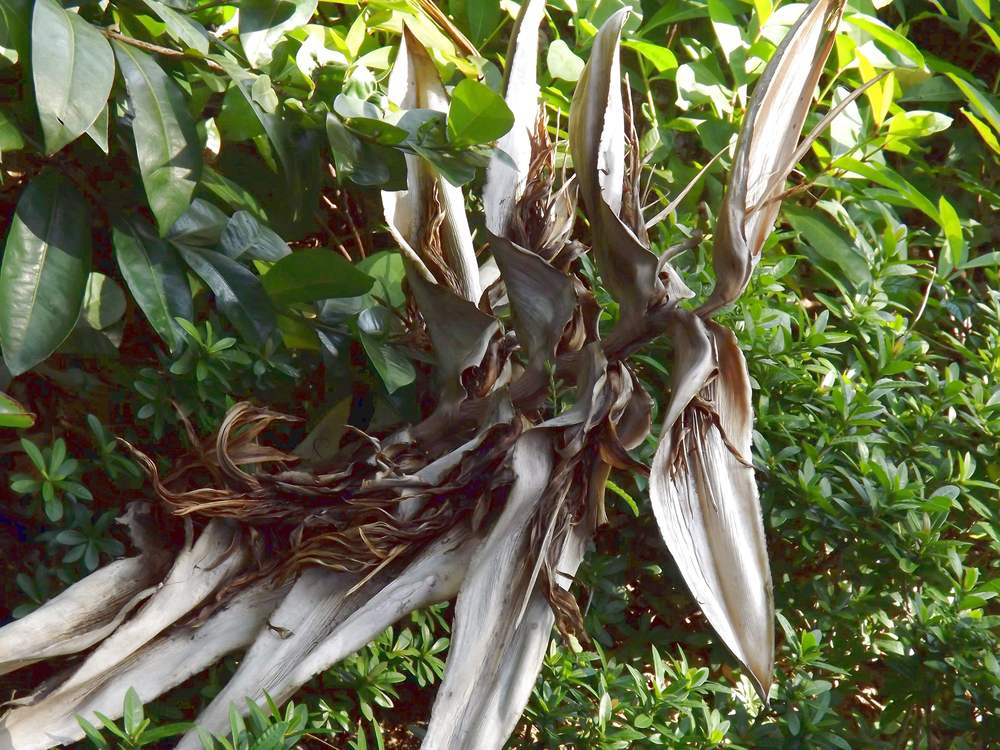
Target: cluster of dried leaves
x=494, y=496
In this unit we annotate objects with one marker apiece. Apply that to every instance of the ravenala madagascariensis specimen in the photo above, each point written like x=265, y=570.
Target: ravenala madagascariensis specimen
x=493, y=498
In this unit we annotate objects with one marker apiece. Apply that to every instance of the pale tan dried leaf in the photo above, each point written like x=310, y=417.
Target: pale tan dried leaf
x=767, y=140
x=705, y=498
x=166, y=662
x=541, y=298
x=414, y=83
x=504, y=182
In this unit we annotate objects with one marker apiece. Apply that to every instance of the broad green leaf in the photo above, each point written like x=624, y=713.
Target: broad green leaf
x=156, y=278
x=484, y=16
x=274, y=126
x=314, y=274
x=238, y=292
x=887, y=36
x=44, y=271
x=661, y=57
x=13, y=414
x=366, y=163
x=918, y=123
x=165, y=138
x=477, y=114
x=264, y=22
x=830, y=243
x=201, y=224
x=72, y=68
x=395, y=369
x=245, y=235
x=562, y=62
x=186, y=31
x=103, y=302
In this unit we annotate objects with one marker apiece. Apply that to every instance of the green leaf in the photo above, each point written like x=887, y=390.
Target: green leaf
x=363, y=163
x=562, y=62
x=11, y=138
x=238, y=292
x=103, y=302
x=477, y=114
x=661, y=57
x=156, y=278
x=395, y=369
x=165, y=138
x=244, y=235
x=93, y=734
x=133, y=714
x=483, y=16
x=13, y=414
x=72, y=69
x=829, y=242
x=44, y=271
x=979, y=101
x=186, y=31
x=98, y=130
x=887, y=36
x=264, y=22
x=15, y=17
x=314, y=274
x=951, y=225
x=986, y=260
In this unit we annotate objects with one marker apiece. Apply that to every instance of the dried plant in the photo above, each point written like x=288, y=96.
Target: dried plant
x=493, y=498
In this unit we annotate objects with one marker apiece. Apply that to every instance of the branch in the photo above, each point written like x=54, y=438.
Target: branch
x=158, y=50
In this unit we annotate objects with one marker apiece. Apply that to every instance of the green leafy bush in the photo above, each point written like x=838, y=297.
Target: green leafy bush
x=194, y=162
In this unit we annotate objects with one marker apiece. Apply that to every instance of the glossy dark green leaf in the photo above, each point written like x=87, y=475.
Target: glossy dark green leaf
x=392, y=366
x=165, y=138
x=314, y=274
x=13, y=414
x=156, y=278
x=202, y=224
x=238, y=292
x=44, y=271
x=264, y=22
x=477, y=114
x=244, y=235
x=364, y=163
x=72, y=68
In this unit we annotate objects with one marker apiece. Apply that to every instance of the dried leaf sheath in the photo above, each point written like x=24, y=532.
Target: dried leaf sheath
x=765, y=147
x=704, y=495
x=505, y=183
x=430, y=214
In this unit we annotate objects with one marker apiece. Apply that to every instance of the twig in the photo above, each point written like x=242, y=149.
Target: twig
x=163, y=51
